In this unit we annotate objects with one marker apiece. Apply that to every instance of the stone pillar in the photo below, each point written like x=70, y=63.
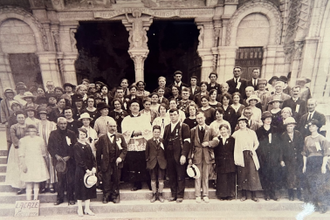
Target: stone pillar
x=227, y=55
x=69, y=53
x=6, y=78
x=206, y=43
x=48, y=67
x=137, y=25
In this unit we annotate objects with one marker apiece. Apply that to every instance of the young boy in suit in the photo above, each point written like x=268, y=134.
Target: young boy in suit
x=156, y=163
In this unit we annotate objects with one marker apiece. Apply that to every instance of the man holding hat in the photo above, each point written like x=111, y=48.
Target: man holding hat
x=201, y=154
x=111, y=152
x=177, y=147
x=6, y=112
x=60, y=147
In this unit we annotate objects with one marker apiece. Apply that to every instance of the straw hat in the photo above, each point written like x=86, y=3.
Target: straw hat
x=90, y=180
x=193, y=171
x=253, y=97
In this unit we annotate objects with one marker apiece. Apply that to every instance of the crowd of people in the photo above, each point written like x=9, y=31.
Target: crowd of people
x=254, y=134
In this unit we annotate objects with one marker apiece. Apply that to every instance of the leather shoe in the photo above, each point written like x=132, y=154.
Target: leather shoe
x=59, y=201
x=135, y=188
x=323, y=209
x=105, y=200
x=89, y=212
x=255, y=199
x=172, y=199
x=153, y=198
x=243, y=198
x=116, y=200
x=72, y=202
x=21, y=191
x=51, y=190
x=43, y=190
x=160, y=197
x=179, y=200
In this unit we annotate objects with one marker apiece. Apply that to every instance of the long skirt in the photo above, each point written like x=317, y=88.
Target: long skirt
x=81, y=191
x=225, y=184
x=13, y=176
x=135, y=167
x=248, y=176
x=317, y=184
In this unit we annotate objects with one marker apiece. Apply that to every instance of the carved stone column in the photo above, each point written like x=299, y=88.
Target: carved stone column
x=206, y=43
x=137, y=26
x=6, y=78
x=69, y=53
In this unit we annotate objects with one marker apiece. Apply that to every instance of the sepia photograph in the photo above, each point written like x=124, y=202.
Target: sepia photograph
x=165, y=109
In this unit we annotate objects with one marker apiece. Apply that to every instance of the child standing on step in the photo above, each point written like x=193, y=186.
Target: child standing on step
x=156, y=163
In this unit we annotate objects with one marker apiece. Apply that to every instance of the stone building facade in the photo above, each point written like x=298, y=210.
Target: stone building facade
x=282, y=36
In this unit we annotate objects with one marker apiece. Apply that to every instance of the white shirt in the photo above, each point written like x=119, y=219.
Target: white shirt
x=174, y=125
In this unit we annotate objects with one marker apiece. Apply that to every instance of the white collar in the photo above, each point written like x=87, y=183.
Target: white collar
x=201, y=126
x=175, y=124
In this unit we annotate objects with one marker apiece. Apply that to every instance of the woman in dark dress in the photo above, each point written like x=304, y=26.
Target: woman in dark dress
x=225, y=165
x=209, y=112
x=191, y=120
x=315, y=157
x=85, y=163
x=269, y=157
x=229, y=113
x=292, y=143
x=118, y=113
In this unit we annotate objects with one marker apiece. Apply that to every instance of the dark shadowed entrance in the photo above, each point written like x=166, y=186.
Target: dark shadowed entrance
x=173, y=45
x=103, y=53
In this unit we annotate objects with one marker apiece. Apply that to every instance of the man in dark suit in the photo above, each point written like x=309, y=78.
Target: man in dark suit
x=177, y=147
x=237, y=84
x=255, y=78
x=60, y=147
x=202, y=155
x=311, y=114
x=194, y=88
x=297, y=105
x=156, y=163
x=178, y=80
x=110, y=154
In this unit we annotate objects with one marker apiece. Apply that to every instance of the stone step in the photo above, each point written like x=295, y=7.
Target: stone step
x=3, y=168
x=2, y=177
x=3, y=153
x=6, y=188
x=3, y=159
x=214, y=215
x=144, y=206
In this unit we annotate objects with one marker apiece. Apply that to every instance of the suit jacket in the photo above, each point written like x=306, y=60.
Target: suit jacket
x=249, y=83
x=302, y=125
x=232, y=86
x=197, y=90
x=105, y=156
x=179, y=149
x=155, y=154
x=292, y=104
x=197, y=150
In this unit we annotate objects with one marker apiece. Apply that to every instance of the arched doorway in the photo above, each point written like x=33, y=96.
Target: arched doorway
x=103, y=55
x=173, y=46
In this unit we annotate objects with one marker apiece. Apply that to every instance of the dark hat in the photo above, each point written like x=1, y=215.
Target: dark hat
x=77, y=98
x=314, y=122
x=61, y=166
x=21, y=86
x=177, y=72
x=42, y=111
x=9, y=90
x=30, y=108
x=243, y=118
x=265, y=115
x=68, y=84
x=51, y=94
x=41, y=100
x=302, y=79
x=275, y=100
x=102, y=105
x=283, y=79
x=273, y=78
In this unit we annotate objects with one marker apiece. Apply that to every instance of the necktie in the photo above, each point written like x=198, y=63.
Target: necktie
x=157, y=141
x=163, y=123
x=310, y=117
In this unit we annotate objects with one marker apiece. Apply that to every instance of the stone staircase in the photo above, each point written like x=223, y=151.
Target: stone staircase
x=136, y=205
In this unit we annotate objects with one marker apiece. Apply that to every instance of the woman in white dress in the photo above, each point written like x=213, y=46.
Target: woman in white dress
x=17, y=131
x=32, y=155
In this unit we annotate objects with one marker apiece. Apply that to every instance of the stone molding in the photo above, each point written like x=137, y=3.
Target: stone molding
x=263, y=7
x=9, y=12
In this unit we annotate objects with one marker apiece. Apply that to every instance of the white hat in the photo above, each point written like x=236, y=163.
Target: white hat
x=289, y=120
x=90, y=180
x=253, y=97
x=85, y=115
x=193, y=171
